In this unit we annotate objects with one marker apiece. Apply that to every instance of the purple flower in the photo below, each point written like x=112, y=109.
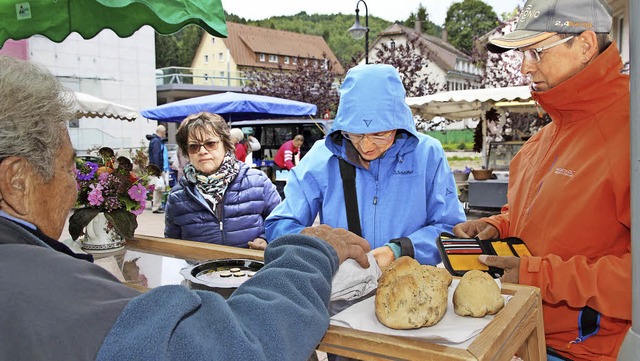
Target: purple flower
x=87, y=171
x=112, y=203
x=138, y=192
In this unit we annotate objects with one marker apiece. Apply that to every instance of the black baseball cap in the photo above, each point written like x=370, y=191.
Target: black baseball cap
x=541, y=19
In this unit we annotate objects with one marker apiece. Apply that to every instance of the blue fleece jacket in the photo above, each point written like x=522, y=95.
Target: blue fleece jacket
x=408, y=194
x=248, y=200
x=266, y=318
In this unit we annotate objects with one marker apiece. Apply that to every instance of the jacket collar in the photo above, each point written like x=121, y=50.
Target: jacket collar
x=22, y=234
x=582, y=95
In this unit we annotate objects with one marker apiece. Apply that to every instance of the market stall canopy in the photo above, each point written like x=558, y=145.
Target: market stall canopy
x=472, y=103
x=232, y=107
x=94, y=107
x=57, y=19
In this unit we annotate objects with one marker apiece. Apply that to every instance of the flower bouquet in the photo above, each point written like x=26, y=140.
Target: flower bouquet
x=111, y=188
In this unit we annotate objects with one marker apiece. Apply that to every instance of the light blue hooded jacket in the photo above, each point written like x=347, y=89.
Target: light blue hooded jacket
x=407, y=195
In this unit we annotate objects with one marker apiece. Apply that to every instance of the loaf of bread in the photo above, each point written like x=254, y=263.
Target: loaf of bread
x=477, y=295
x=411, y=296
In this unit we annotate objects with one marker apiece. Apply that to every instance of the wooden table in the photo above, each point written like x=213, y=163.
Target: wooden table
x=516, y=329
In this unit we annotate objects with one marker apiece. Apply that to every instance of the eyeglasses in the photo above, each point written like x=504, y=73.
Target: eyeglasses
x=194, y=148
x=376, y=138
x=533, y=55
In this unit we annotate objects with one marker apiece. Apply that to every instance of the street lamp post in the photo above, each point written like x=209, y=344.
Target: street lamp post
x=357, y=31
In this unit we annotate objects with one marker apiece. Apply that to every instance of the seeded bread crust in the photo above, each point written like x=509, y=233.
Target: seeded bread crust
x=411, y=296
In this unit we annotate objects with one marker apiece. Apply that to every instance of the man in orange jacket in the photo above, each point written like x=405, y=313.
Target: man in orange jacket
x=569, y=191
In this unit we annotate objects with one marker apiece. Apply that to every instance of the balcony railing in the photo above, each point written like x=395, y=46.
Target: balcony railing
x=181, y=75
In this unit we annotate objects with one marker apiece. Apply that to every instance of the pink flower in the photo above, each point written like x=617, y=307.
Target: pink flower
x=95, y=197
x=138, y=192
x=140, y=209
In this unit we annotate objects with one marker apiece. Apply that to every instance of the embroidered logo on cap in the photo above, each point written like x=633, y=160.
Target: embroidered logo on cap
x=527, y=13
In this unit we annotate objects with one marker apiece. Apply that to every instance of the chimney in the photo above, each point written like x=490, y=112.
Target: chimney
x=444, y=35
x=418, y=26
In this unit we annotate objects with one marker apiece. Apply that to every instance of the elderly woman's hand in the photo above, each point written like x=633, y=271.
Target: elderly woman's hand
x=384, y=256
x=346, y=244
x=258, y=243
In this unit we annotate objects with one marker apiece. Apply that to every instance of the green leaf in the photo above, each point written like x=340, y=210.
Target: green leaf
x=79, y=221
x=124, y=222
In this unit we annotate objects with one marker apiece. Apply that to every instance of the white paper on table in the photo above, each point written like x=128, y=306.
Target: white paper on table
x=452, y=328
x=353, y=282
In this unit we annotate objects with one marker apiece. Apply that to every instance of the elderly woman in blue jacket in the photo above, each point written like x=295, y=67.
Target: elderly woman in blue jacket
x=219, y=199
x=405, y=191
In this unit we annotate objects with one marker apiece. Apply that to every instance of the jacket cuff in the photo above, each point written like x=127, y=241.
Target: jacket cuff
x=406, y=246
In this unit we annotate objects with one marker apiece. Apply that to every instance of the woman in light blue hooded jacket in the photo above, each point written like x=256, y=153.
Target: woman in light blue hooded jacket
x=406, y=193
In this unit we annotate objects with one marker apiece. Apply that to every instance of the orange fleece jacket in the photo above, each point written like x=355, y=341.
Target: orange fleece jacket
x=569, y=201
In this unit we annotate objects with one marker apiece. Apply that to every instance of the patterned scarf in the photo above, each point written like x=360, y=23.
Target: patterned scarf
x=212, y=187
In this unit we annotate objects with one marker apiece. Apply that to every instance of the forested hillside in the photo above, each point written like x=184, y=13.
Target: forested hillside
x=178, y=49
x=333, y=28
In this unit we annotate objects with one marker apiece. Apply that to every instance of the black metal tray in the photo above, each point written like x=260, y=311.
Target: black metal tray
x=217, y=275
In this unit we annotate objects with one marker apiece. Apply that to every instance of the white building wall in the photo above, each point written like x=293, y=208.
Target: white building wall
x=121, y=70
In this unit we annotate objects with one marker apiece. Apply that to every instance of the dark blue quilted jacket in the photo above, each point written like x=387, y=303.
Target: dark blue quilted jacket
x=247, y=202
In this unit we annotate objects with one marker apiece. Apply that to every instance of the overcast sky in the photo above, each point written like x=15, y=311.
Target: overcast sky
x=390, y=10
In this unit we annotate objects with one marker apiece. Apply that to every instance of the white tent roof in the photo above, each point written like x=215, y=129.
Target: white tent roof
x=93, y=107
x=472, y=103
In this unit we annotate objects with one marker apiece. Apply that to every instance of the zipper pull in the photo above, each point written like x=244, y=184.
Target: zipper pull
x=221, y=227
x=540, y=115
x=375, y=200
x=577, y=340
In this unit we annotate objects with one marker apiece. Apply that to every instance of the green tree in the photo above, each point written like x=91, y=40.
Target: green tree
x=311, y=82
x=178, y=48
x=333, y=28
x=411, y=59
x=468, y=20
x=428, y=27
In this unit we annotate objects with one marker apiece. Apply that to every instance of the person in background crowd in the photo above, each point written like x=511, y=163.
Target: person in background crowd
x=569, y=189
x=243, y=146
x=157, y=157
x=405, y=192
x=179, y=163
x=58, y=305
x=220, y=199
x=286, y=153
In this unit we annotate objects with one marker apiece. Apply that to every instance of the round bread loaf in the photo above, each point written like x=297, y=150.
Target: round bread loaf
x=410, y=295
x=477, y=295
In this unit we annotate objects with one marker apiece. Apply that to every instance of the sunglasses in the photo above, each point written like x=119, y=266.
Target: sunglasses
x=209, y=145
x=377, y=138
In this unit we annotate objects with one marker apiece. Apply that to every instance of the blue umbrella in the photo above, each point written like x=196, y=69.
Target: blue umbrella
x=232, y=107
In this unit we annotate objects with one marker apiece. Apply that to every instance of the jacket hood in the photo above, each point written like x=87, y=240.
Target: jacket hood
x=372, y=99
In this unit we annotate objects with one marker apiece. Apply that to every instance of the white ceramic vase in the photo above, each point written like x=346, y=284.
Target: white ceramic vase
x=100, y=236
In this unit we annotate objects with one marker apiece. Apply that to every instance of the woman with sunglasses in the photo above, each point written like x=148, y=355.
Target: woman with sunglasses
x=220, y=199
